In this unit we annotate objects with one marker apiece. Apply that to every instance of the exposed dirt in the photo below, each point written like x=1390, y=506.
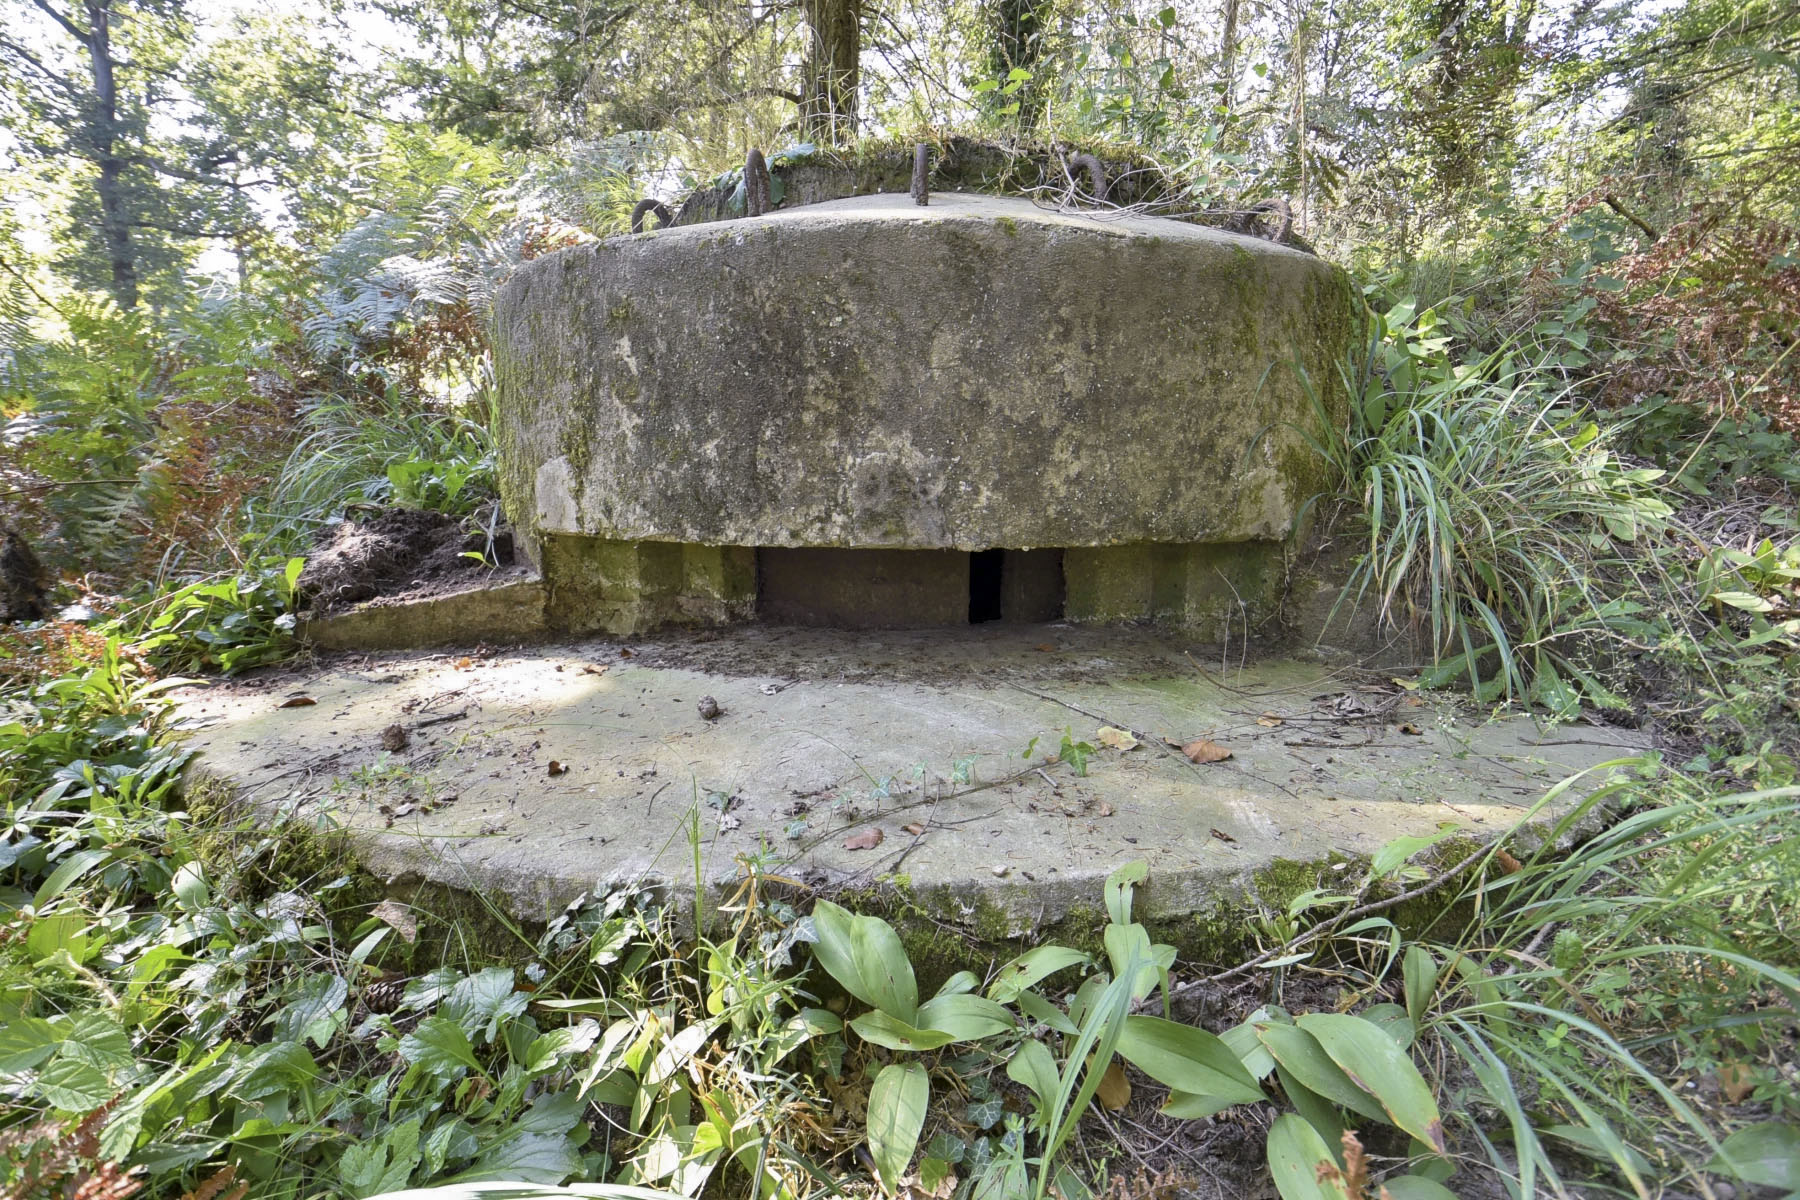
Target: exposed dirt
x=400, y=554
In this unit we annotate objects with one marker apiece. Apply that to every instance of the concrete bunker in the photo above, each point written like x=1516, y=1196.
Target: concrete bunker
x=870, y=413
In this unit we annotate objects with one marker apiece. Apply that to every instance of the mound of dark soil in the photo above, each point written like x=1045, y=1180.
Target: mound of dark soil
x=399, y=553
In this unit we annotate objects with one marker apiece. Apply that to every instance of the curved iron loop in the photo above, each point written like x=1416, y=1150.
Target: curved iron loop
x=756, y=183
x=646, y=206
x=921, y=180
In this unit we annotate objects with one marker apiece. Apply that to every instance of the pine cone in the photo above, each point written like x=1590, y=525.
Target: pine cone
x=384, y=995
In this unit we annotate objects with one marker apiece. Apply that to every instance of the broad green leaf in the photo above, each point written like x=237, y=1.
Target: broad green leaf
x=524, y=1156
x=59, y=933
x=99, y=1041
x=966, y=1018
x=1034, y=1067
x=1416, y=1187
x=865, y=956
x=73, y=1086
x=1296, y=1152
x=1128, y=943
x=1370, y=1058
x=25, y=1042
x=1252, y=1053
x=1187, y=1059
x=313, y=1012
x=1031, y=966
x=67, y=872
x=190, y=888
x=1316, y=1111
x=1419, y=973
x=1191, y=1106
x=439, y=1046
x=485, y=1001
x=1299, y=1055
x=897, y=1103
x=1392, y=1020
x=381, y=1164
x=895, y=1034
x=958, y=984
x=1046, y=1013
x=1766, y=1154
x=1119, y=887
x=1393, y=856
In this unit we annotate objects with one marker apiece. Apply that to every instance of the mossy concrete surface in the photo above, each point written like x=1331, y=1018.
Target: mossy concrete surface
x=915, y=765
x=867, y=373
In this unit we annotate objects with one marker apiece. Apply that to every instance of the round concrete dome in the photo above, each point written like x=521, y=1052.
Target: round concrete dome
x=865, y=373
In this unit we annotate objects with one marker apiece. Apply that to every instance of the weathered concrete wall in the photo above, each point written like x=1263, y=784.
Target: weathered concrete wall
x=869, y=373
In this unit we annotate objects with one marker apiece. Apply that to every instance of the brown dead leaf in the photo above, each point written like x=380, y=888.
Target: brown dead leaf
x=1735, y=1081
x=1115, y=1090
x=297, y=702
x=916, y=829
x=593, y=668
x=868, y=839
x=1508, y=863
x=1116, y=739
x=1409, y=728
x=626, y=652
x=1202, y=751
x=1045, y=648
x=1224, y=837
x=558, y=768
x=465, y=663
x=1269, y=720
x=400, y=917
x=1106, y=810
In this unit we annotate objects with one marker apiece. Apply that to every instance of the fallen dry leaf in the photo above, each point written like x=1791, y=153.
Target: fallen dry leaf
x=916, y=829
x=557, y=768
x=1114, y=1092
x=1224, y=837
x=868, y=839
x=1735, y=1081
x=1106, y=810
x=1414, y=730
x=297, y=702
x=1202, y=751
x=1508, y=863
x=1269, y=721
x=464, y=663
x=1045, y=648
x=593, y=669
x=1116, y=739
x=400, y=917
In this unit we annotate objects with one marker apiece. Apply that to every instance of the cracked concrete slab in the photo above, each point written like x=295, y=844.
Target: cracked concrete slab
x=536, y=774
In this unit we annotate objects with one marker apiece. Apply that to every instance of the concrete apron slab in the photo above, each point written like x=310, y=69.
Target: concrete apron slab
x=936, y=739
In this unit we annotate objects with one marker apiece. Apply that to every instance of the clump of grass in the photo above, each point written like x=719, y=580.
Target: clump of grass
x=1497, y=513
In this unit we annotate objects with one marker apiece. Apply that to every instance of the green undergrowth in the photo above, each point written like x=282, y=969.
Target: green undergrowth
x=205, y=990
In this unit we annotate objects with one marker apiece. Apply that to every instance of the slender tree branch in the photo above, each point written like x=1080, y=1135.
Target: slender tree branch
x=67, y=87
x=81, y=35
x=1612, y=202
x=190, y=231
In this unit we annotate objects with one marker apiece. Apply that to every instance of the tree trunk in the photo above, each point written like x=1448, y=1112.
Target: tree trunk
x=1019, y=32
x=1228, y=54
x=833, y=69
x=115, y=222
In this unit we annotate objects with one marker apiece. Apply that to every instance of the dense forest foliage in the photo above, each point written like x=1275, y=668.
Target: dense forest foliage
x=247, y=254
